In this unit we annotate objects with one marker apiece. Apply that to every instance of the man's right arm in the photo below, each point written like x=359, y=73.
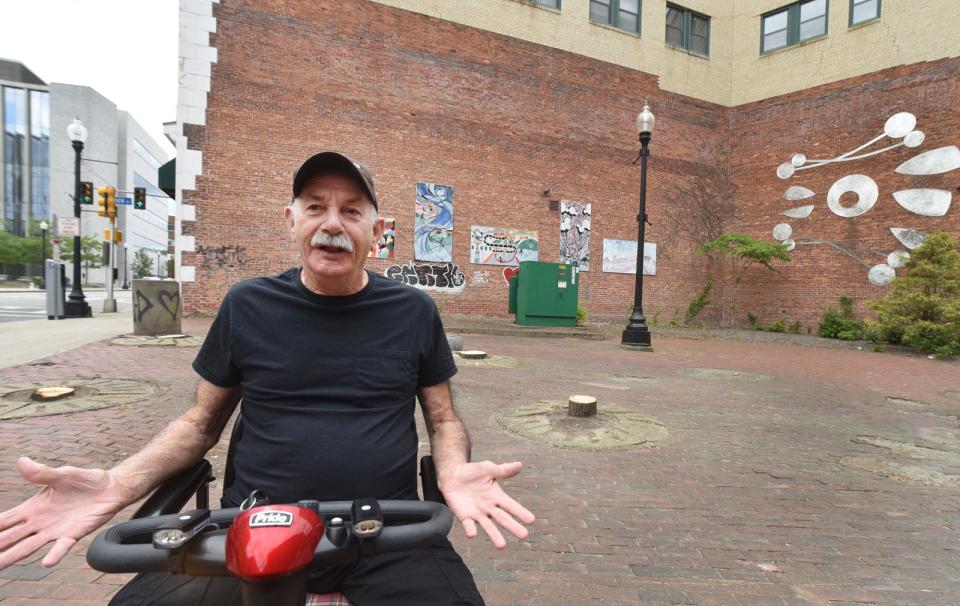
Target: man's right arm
x=74, y=502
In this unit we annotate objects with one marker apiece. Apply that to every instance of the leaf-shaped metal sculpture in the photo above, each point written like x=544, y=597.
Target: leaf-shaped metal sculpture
x=800, y=212
x=797, y=192
x=925, y=202
x=933, y=162
x=911, y=238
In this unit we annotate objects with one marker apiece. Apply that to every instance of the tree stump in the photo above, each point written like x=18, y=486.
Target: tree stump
x=49, y=394
x=581, y=406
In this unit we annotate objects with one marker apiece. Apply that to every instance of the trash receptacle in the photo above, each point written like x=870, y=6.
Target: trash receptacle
x=547, y=294
x=53, y=277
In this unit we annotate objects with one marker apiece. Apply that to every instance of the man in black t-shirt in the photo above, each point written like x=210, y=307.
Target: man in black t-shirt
x=328, y=360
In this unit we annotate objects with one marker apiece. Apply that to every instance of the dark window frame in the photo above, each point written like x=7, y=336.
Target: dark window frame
x=793, y=25
x=686, y=31
x=543, y=3
x=613, y=16
x=851, y=22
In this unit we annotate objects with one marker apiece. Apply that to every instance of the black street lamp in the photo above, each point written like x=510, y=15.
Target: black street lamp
x=43, y=253
x=76, y=306
x=126, y=251
x=637, y=333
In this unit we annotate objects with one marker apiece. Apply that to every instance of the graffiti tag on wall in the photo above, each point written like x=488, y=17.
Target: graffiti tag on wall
x=169, y=300
x=222, y=257
x=441, y=277
x=480, y=277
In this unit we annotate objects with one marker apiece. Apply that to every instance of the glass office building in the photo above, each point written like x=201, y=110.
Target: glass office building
x=25, y=155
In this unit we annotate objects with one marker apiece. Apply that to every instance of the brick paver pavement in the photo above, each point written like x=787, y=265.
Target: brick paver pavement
x=752, y=500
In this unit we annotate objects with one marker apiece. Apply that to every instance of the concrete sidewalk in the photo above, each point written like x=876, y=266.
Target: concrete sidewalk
x=32, y=339
x=789, y=476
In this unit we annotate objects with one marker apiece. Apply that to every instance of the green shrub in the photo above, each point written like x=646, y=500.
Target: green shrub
x=843, y=324
x=778, y=326
x=752, y=319
x=697, y=304
x=581, y=314
x=923, y=308
x=795, y=328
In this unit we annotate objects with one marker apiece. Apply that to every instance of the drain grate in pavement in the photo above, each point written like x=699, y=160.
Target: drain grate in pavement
x=612, y=427
x=91, y=394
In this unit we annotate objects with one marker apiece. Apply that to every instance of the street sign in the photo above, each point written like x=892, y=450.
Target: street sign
x=127, y=201
x=68, y=227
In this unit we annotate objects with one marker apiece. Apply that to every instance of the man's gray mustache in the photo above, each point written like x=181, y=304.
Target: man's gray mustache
x=339, y=241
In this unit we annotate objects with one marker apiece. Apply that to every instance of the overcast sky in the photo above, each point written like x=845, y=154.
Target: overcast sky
x=125, y=49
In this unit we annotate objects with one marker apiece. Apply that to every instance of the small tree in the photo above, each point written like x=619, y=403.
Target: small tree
x=91, y=254
x=142, y=264
x=745, y=251
x=923, y=308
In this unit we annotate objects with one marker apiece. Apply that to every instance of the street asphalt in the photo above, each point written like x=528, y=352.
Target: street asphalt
x=787, y=476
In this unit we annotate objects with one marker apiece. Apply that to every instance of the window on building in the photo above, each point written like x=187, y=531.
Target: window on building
x=551, y=3
x=145, y=155
x=623, y=14
x=864, y=10
x=14, y=158
x=687, y=29
x=39, y=154
x=793, y=24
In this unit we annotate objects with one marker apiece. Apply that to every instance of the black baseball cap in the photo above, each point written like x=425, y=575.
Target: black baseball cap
x=329, y=160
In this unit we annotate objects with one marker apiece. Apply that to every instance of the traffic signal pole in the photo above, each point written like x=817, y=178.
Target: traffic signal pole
x=109, y=202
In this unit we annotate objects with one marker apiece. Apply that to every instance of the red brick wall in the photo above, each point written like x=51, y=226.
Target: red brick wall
x=825, y=122
x=422, y=99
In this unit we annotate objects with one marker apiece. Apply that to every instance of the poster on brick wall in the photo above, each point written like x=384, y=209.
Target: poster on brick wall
x=620, y=257
x=495, y=246
x=384, y=249
x=433, y=223
x=575, y=234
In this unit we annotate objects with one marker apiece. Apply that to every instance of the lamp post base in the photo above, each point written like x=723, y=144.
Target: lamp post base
x=77, y=309
x=636, y=337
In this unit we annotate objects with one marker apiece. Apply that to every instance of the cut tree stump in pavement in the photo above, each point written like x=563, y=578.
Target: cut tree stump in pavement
x=581, y=406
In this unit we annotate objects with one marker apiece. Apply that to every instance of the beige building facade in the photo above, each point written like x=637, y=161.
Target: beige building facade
x=735, y=70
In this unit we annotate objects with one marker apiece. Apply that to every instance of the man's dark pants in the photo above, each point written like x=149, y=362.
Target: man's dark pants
x=435, y=576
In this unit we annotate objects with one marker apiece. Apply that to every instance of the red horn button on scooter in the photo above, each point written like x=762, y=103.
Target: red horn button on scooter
x=272, y=540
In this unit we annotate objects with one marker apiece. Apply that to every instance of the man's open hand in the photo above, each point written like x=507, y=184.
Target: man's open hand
x=474, y=496
x=73, y=503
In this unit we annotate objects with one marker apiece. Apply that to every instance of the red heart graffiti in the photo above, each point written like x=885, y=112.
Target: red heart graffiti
x=510, y=272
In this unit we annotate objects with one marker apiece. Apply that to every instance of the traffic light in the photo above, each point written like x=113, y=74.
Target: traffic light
x=102, y=201
x=108, y=200
x=140, y=198
x=112, y=202
x=86, y=192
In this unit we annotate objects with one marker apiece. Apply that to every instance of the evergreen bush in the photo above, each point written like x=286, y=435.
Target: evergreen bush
x=923, y=308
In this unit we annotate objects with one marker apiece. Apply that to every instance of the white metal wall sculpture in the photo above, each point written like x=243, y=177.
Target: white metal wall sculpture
x=926, y=202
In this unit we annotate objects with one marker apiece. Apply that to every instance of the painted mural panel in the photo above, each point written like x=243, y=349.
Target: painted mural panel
x=620, y=257
x=496, y=246
x=433, y=223
x=575, y=233
x=384, y=249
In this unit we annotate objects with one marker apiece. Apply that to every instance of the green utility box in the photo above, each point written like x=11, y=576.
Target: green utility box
x=546, y=294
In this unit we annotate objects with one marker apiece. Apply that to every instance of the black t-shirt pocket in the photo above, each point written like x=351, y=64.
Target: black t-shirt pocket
x=384, y=376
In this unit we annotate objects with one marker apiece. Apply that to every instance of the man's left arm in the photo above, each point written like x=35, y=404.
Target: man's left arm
x=472, y=490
